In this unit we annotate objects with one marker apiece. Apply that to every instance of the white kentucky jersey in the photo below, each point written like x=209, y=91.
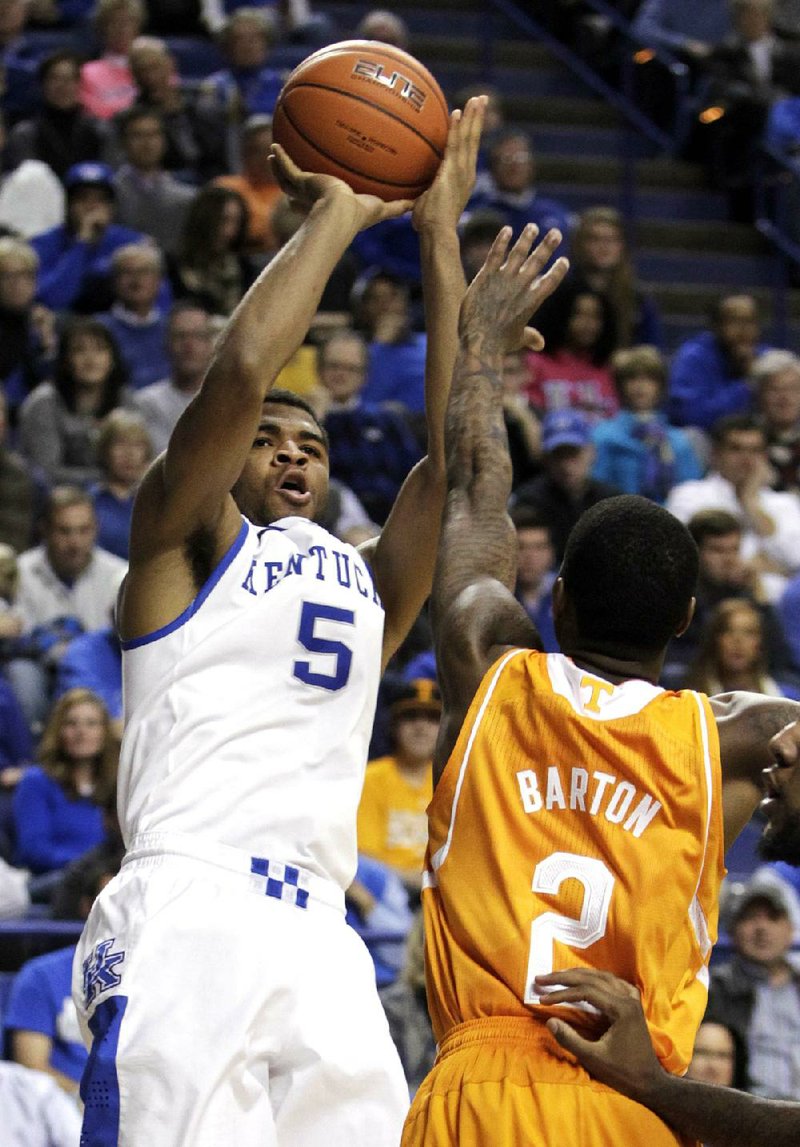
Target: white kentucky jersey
x=248, y=718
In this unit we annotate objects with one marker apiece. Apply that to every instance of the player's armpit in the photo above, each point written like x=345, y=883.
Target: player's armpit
x=746, y=724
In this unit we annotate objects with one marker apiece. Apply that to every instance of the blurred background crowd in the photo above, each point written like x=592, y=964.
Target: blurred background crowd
x=137, y=205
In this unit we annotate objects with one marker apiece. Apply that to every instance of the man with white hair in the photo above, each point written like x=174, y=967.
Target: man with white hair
x=136, y=320
x=776, y=377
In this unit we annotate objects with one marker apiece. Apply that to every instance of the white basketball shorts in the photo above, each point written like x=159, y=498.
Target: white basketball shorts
x=227, y=1004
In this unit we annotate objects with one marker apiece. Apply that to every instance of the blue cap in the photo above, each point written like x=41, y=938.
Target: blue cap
x=90, y=175
x=565, y=428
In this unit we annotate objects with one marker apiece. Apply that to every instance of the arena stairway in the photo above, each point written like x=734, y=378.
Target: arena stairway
x=686, y=252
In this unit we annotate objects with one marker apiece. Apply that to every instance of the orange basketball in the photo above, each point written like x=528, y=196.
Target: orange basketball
x=368, y=113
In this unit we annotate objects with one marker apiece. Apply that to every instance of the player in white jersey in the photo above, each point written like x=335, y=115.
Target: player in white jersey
x=227, y=1000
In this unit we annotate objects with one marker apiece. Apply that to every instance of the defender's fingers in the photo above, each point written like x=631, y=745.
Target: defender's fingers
x=518, y=254
x=569, y=1038
x=542, y=253
x=543, y=286
x=497, y=251
x=532, y=339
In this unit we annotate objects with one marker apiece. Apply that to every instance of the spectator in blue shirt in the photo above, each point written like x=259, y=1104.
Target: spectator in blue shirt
x=248, y=86
x=56, y=815
x=124, y=451
x=709, y=375
x=684, y=27
x=512, y=167
x=396, y=368
x=75, y=258
x=536, y=572
x=377, y=902
x=372, y=447
x=41, y=1022
x=637, y=449
x=137, y=319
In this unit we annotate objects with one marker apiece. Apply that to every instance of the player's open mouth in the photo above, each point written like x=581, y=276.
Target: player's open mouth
x=293, y=488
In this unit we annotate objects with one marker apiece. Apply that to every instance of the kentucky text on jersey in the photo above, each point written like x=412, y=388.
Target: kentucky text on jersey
x=320, y=562
x=594, y=793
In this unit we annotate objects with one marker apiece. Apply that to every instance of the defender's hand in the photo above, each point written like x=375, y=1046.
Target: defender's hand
x=305, y=188
x=509, y=289
x=623, y=1057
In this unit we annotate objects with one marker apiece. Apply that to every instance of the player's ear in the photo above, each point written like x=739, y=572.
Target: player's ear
x=687, y=618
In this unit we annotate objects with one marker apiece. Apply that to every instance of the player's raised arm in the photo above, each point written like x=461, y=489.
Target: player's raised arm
x=404, y=555
x=623, y=1058
x=188, y=489
x=754, y=731
x=474, y=610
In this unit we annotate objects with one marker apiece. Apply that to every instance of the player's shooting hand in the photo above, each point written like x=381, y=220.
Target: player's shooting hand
x=305, y=188
x=509, y=289
x=623, y=1057
x=443, y=203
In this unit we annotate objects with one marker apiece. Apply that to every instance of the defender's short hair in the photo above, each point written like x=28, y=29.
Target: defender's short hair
x=630, y=570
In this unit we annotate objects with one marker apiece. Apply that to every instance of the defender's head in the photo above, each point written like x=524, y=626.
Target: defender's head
x=627, y=580
x=287, y=470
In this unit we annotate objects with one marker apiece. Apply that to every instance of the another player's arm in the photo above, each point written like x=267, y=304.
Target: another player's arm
x=623, y=1058
x=403, y=557
x=747, y=723
x=188, y=488
x=474, y=612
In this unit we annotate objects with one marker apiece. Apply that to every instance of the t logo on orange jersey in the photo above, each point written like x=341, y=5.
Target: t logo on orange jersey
x=597, y=688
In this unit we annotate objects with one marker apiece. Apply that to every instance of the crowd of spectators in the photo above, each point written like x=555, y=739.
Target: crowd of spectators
x=149, y=208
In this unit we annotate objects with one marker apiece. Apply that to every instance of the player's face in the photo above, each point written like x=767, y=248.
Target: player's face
x=781, y=806
x=286, y=473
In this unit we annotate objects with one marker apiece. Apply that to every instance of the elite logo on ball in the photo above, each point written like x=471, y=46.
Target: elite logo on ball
x=400, y=84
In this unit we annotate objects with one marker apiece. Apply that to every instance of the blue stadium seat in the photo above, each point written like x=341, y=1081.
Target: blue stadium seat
x=196, y=58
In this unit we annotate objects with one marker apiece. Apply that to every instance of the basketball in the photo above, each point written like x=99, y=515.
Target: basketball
x=368, y=113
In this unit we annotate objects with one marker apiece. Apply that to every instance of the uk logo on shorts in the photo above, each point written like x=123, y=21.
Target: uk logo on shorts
x=98, y=970
x=283, y=881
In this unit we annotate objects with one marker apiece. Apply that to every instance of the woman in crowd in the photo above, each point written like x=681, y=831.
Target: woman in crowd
x=56, y=806
x=124, y=451
x=107, y=85
x=59, y=421
x=599, y=259
x=731, y=654
x=578, y=327
x=210, y=266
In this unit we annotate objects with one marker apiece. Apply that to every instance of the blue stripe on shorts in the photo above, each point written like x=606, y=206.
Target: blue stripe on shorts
x=100, y=1085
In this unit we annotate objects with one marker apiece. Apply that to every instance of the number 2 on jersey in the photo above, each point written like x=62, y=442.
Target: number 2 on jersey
x=590, y=926
x=309, y=638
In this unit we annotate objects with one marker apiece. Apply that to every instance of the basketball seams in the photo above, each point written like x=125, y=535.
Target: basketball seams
x=376, y=48
x=358, y=99
x=335, y=160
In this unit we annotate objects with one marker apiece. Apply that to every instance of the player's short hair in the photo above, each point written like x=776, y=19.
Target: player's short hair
x=630, y=570
x=280, y=397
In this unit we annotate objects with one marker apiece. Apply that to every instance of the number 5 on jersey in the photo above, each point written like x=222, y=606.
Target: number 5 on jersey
x=587, y=929
x=313, y=619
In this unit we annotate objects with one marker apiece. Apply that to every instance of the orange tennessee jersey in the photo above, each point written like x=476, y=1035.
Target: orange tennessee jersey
x=577, y=823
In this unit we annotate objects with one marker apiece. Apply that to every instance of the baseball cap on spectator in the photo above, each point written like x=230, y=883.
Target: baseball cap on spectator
x=565, y=428
x=417, y=696
x=757, y=892
x=90, y=175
